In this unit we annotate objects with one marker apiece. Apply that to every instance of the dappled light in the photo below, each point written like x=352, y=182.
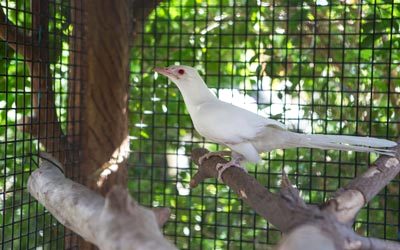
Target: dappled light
x=319, y=67
x=85, y=106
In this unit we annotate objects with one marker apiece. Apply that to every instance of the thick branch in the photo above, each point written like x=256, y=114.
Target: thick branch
x=141, y=10
x=76, y=71
x=43, y=124
x=320, y=236
x=116, y=222
x=306, y=237
x=346, y=203
x=283, y=210
x=46, y=126
x=287, y=211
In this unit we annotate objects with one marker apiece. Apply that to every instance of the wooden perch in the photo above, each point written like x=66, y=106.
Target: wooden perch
x=114, y=222
x=43, y=124
x=328, y=225
x=348, y=200
x=277, y=210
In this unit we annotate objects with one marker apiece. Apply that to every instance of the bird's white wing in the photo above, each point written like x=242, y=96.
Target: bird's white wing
x=224, y=123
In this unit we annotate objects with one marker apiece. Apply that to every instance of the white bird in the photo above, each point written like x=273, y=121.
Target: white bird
x=248, y=134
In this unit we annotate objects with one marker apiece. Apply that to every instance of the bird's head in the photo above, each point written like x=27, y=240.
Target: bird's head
x=179, y=74
x=194, y=90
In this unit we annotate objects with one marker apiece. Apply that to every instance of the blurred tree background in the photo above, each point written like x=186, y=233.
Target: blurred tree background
x=321, y=66
x=24, y=224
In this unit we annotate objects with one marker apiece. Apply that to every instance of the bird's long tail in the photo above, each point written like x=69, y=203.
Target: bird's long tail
x=343, y=142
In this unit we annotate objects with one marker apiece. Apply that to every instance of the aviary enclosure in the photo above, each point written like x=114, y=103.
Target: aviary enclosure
x=77, y=81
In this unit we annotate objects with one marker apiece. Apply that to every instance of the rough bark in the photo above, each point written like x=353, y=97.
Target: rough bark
x=114, y=222
x=280, y=209
x=347, y=201
x=105, y=127
x=328, y=224
x=76, y=81
x=110, y=27
x=97, y=134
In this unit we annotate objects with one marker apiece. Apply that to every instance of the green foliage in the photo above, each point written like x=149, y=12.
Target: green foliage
x=320, y=67
x=24, y=223
x=331, y=64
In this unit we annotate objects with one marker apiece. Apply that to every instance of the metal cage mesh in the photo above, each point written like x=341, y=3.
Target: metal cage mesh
x=25, y=224
x=320, y=66
x=327, y=67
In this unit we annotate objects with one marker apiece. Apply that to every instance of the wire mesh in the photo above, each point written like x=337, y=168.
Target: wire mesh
x=25, y=224
x=327, y=67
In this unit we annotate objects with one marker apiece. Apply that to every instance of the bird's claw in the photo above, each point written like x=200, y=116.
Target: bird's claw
x=211, y=154
x=221, y=167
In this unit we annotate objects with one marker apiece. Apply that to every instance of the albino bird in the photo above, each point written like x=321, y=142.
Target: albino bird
x=248, y=134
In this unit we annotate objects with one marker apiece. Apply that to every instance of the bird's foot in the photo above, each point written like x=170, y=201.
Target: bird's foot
x=211, y=154
x=221, y=167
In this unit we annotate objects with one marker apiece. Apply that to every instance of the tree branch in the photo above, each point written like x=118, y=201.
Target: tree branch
x=283, y=210
x=141, y=10
x=116, y=222
x=289, y=213
x=347, y=201
x=43, y=124
x=311, y=236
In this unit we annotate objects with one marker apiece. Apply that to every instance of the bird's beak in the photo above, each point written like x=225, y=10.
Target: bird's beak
x=164, y=71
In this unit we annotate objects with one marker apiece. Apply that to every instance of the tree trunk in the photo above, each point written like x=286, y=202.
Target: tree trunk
x=95, y=147
x=101, y=70
x=76, y=80
x=105, y=97
x=104, y=127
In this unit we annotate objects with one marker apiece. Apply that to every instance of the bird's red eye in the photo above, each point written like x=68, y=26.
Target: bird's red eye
x=181, y=71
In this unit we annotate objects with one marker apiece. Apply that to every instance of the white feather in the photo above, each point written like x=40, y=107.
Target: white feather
x=348, y=143
x=249, y=134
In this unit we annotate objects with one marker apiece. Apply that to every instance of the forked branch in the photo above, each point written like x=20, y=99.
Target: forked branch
x=328, y=225
x=347, y=201
x=114, y=222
